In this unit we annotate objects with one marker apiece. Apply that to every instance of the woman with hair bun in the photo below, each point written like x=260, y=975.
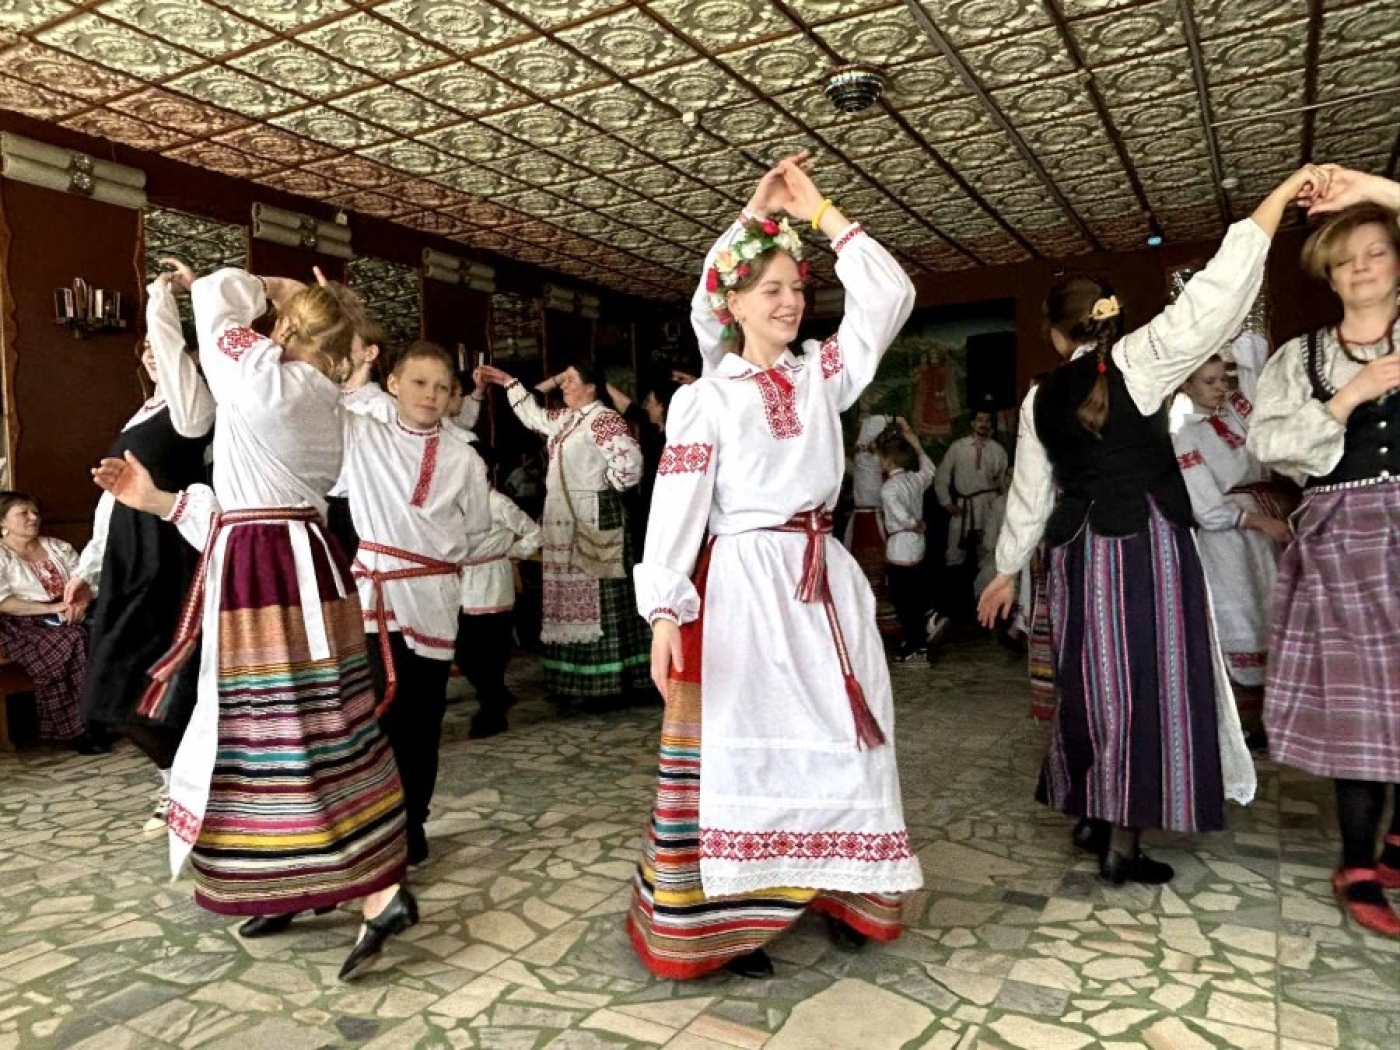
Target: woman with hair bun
x=1146, y=735
x=1327, y=411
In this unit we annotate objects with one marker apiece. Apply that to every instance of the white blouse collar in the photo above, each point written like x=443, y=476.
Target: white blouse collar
x=733, y=366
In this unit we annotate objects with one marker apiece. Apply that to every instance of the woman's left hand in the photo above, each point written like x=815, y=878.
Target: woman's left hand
x=803, y=198
x=130, y=483
x=996, y=601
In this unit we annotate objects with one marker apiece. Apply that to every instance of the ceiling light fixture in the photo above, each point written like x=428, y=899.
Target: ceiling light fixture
x=854, y=88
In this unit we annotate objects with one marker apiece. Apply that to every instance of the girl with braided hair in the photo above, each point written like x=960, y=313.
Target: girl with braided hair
x=1146, y=735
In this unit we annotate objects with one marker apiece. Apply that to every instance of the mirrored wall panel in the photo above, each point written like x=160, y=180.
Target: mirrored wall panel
x=393, y=296
x=205, y=244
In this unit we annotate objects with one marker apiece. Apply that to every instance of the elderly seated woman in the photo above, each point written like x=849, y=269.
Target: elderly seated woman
x=38, y=629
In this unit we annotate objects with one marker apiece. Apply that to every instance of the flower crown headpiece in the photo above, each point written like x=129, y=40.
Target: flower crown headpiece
x=735, y=263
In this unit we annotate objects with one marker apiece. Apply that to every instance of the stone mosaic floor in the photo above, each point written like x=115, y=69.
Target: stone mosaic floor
x=1014, y=944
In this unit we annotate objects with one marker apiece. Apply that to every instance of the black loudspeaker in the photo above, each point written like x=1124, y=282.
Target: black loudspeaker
x=991, y=370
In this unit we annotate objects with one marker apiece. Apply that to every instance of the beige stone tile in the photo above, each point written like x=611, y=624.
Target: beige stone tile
x=673, y=1013
x=1304, y=1025
x=634, y=1028
x=502, y=929
x=853, y=1013
x=1172, y=1034
x=551, y=949
x=727, y=1032
x=1029, y=1034
x=690, y=1041
x=471, y=999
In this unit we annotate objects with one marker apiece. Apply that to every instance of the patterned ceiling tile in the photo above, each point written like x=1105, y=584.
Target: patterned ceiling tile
x=756, y=123
x=538, y=168
x=367, y=202
x=919, y=83
x=1343, y=144
x=1261, y=133
x=1045, y=140
x=671, y=140
x=543, y=68
x=1155, y=26
x=1019, y=60
x=949, y=121
x=474, y=141
x=779, y=65
x=464, y=88
x=425, y=194
x=725, y=168
x=196, y=25
x=975, y=153
x=108, y=124
x=1364, y=112
x=1367, y=27
x=412, y=157
x=1186, y=146
x=222, y=159
x=1221, y=17
x=392, y=108
x=118, y=47
x=41, y=103
x=878, y=38
x=659, y=181
x=1153, y=118
x=1248, y=164
x=539, y=203
x=587, y=223
x=332, y=127
x=1140, y=79
x=1258, y=97
x=551, y=14
x=973, y=21
x=44, y=68
x=1105, y=199
x=615, y=108
x=1053, y=99
x=483, y=213
x=460, y=26
x=302, y=183
x=288, y=14
x=19, y=16
x=628, y=43
x=693, y=87
x=301, y=70
x=436, y=222
x=864, y=137
x=930, y=192
x=599, y=193
x=355, y=171
x=1249, y=56
x=541, y=126
x=237, y=92
x=1354, y=76
x=172, y=111
x=369, y=44
x=719, y=24
x=893, y=168
x=605, y=155
x=480, y=181
x=275, y=145
x=705, y=206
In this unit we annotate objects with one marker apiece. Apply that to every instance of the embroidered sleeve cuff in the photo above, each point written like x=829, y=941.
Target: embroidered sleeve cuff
x=663, y=614
x=854, y=230
x=182, y=502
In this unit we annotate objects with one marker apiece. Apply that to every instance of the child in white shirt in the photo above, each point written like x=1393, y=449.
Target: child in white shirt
x=908, y=474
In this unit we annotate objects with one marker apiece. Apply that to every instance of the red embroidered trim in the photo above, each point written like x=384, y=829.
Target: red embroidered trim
x=232, y=342
x=1226, y=434
x=608, y=425
x=779, y=404
x=571, y=601
x=1187, y=460
x=685, y=459
x=664, y=613
x=1242, y=404
x=847, y=237
x=184, y=823
x=51, y=577
x=1247, y=659
x=832, y=362
x=182, y=504
x=406, y=631
x=425, y=471
x=870, y=847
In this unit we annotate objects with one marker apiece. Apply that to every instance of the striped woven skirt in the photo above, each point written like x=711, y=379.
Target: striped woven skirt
x=1136, y=736
x=1332, y=701
x=677, y=931
x=305, y=808
x=1040, y=651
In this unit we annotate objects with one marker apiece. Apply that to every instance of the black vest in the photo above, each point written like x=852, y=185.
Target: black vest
x=1372, y=449
x=1106, y=479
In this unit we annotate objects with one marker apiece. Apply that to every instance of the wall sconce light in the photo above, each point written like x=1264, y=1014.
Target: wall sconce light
x=294, y=230
x=68, y=171
x=439, y=266
x=561, y=299
x=86, y=311
x=587, y=306
x=517, y=349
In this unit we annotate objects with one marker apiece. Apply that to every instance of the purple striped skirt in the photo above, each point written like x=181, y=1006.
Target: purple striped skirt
x=1332, y=698
x=1135, y=738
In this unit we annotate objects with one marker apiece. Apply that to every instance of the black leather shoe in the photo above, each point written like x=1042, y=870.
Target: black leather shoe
x=845, y=937
x=267, y=925
x=88, y=743
x=755, y=965
x=1092, y=835
x=485, y=725
x=1118, y=869
x=398, y=915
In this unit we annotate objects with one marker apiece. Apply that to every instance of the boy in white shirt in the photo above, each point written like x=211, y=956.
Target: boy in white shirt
x=908, y=474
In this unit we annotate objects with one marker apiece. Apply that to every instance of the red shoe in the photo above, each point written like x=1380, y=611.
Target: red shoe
x=1360, y=895
x=1387, y=876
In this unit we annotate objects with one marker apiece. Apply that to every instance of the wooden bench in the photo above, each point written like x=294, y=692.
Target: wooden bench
x=14, y=682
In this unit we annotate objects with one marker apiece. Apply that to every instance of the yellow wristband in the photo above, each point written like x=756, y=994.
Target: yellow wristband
x=817, y=218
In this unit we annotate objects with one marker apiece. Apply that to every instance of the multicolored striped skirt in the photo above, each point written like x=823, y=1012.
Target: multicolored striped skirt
x=619, y=661
x=1136, y=736
x=305, y=807
x=1040, y=649
x=1332, y=701
x=677, y=931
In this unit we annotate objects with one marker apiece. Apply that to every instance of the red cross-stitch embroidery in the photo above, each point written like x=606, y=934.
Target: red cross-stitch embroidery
x=685, y=459
x=184, y=823
x=1242, y=404
x=425, y=471
x=50, y=578
x=779, y=404
x=233, y=341
x=1227, y=435
x=847, y=237
x=608, y=425
x=1187, y=460
x=871, y=847
x=567, y=601
x=832, y=361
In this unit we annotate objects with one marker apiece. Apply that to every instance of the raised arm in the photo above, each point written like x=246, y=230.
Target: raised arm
x=547, y=422
x=226, y=303
x=190, y=403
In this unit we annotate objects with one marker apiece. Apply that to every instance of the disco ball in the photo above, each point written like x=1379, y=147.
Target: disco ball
x=854, y=88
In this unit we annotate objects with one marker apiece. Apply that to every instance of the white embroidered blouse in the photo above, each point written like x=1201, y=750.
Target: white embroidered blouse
x=38, y=581
x=594, y=443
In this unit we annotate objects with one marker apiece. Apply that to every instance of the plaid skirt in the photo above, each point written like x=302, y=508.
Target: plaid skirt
x=1332, y=698
x=56, y=658
x=1136, y=736
x=619, y=661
